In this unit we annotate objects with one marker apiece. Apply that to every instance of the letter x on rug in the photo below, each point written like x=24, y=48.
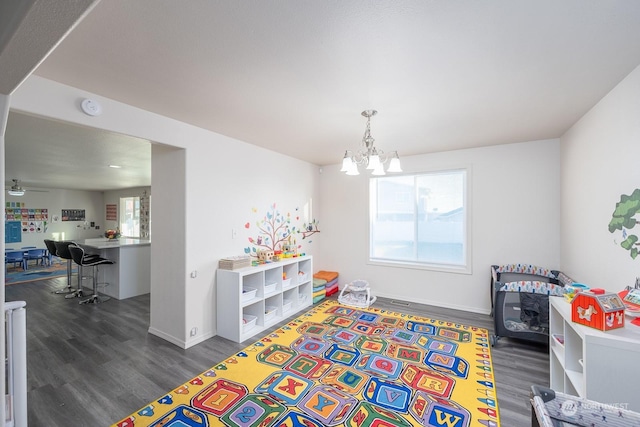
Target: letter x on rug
x=341, y=366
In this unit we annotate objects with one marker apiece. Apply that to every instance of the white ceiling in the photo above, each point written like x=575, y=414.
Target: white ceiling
x=50, y=154
x=294, y=75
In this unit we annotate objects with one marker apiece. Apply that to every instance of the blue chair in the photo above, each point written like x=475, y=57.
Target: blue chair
x=14, y=257
x=40, y=255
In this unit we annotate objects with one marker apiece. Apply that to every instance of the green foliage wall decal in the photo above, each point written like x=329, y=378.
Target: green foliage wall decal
x=623, y=219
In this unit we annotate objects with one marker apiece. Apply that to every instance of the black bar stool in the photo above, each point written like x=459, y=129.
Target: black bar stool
x=79, y=257
x=60, y=250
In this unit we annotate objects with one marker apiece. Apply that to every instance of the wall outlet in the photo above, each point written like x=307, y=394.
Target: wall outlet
x=234, y=233
x=194, y=331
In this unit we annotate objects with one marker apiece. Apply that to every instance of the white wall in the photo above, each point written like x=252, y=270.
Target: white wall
x=223, y=180
x=600, y=156
x=514, y=196
x=55, y=200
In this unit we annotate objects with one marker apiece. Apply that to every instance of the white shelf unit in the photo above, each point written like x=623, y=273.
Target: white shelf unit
x=273, y=292
x=593, y=364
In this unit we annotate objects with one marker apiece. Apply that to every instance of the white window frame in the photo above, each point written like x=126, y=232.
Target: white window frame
x=465, y=266
x=123, y=218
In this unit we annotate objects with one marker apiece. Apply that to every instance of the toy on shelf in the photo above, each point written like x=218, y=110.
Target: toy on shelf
x=570, y=291
x=265, y=255
x=631, y=300
x=598, y=309
x=289, y=248
x=357, y=294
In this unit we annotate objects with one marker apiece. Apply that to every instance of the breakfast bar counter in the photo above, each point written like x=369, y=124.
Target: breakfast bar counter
x=130, y=276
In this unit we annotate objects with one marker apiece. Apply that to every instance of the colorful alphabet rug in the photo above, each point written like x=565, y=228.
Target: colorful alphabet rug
x=340, y=366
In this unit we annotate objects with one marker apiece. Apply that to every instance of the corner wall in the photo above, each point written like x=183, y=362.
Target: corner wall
x=219, y=185
x=600, y=162
x=514, y=199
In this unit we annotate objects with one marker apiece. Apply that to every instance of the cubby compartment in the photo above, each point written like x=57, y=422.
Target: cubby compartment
x=289, y=301
x=305, y=272
x=272, y=309
x=287, y=306
x=272, y=280
x=252, y=287
x=252, y=316
x=248, y=322
x=305, y=291
x=251, y=299
x=270, y=288
x=290, y=276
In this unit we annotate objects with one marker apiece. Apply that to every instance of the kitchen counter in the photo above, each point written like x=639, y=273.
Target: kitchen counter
x=130, y=276
x=104, y=243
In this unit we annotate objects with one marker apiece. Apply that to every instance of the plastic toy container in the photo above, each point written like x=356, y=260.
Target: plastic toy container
x=248, y=293
x=286, y=283
x=269, y=313
x=286, y=305
x=269, y=288
x=248, y=321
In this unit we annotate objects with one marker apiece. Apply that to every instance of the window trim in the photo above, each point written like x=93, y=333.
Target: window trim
x=446, y=268
x=122, y=213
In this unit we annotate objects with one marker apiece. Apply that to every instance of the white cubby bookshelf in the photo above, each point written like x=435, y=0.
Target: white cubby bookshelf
x=592, y=364
x=272, y=292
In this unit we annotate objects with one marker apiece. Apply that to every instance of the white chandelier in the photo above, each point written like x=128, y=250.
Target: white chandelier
x=369, y=156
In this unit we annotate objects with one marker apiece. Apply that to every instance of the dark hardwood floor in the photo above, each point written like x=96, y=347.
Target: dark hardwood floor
x=92, y=365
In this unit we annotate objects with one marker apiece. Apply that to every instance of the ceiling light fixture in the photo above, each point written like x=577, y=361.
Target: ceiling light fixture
x=15, y=189
x=369, y=156
x=115, y=166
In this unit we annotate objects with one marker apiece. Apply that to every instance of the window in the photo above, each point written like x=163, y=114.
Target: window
x=130, y=217
x=420, y=220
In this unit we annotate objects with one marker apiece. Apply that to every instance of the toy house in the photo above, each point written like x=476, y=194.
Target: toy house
x=265, y=255
x=598, y=309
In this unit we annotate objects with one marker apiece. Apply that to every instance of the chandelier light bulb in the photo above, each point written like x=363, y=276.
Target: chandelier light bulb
x=353, y=169
x=374, y=162
x=379, y=170
x=394, y=164
x=346, y=162
x=372, y=158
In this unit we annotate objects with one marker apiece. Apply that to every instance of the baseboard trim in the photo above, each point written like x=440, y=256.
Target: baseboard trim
x=197, y=340
x=173, y=340
x=180, y=343
x=434, y=303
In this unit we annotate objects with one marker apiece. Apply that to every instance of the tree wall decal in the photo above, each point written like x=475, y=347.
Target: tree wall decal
x=624, y=219
x=276, y=229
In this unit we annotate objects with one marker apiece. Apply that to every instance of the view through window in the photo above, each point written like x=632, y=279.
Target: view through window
x=130, y=217
x=420, y=219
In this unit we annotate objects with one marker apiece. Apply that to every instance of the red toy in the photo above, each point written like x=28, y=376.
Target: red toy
x=598, y=309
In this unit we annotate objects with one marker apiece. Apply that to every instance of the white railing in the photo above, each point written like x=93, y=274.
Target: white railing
x=16, y=363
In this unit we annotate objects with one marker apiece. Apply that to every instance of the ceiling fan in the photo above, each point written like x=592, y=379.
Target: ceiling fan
x=17, y=190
